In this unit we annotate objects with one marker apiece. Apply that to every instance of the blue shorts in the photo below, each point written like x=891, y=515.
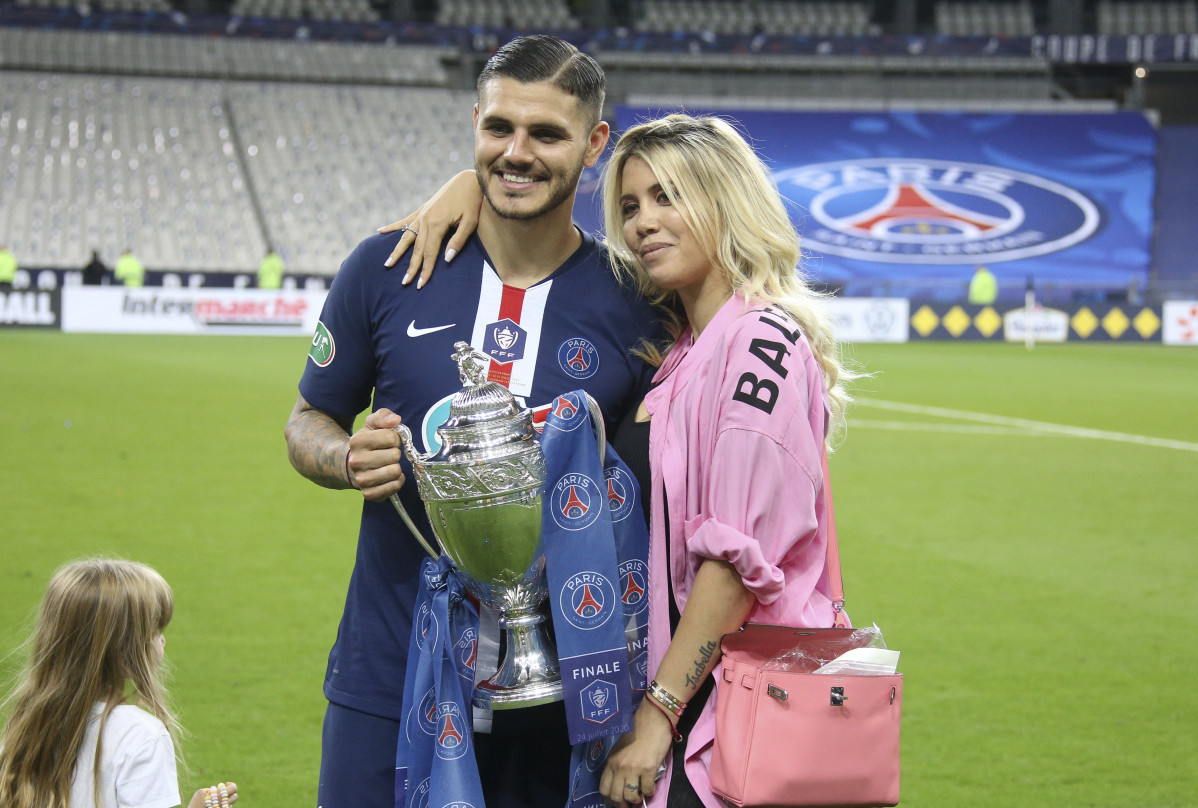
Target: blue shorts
x=524, y=762
x=357, y=760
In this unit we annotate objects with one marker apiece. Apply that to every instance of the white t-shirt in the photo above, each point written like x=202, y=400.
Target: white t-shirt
x=137, y=764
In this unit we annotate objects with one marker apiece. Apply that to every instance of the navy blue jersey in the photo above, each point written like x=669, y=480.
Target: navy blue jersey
x=382, y=344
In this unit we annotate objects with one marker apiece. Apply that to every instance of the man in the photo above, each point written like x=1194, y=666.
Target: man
x=270, y=271
x=8, y=265
x=93, y=273
x=538, y=297
x=129, y=271
x=983, y=287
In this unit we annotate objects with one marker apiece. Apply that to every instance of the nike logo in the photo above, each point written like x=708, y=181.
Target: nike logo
x=413, y=331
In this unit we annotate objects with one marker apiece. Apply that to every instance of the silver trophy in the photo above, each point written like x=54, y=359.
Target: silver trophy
x=482, y=492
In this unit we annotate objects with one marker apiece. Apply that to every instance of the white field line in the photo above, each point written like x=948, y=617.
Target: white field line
x=924, y=426
x=1028, y=426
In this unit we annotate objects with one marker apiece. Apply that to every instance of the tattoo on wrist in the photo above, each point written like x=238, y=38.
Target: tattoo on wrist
x=694, y=678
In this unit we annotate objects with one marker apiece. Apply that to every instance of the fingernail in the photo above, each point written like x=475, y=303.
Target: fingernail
x=381, y=229
x=390, y=262
x=450, y=254
x=420, y=283
x=407, y=279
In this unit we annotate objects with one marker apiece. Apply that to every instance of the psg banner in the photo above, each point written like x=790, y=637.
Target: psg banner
x=927, y=196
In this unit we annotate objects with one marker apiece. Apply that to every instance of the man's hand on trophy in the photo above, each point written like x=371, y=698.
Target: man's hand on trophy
x=372, y=464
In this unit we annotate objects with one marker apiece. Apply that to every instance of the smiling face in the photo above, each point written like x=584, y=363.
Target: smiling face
x=664, y=245
x=531, y=143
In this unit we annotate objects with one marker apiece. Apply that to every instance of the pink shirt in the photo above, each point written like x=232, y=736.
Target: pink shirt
x=738, y=423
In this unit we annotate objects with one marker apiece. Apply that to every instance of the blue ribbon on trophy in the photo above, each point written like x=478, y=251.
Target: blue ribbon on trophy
x=434, y=759
x=596, y=554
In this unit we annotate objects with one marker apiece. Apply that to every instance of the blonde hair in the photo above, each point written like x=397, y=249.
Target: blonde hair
x=726, y=196
x=95, y=635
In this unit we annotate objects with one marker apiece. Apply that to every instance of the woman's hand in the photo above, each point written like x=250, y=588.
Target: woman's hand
x=456, y=204
x=631, y=773
x=212, y=796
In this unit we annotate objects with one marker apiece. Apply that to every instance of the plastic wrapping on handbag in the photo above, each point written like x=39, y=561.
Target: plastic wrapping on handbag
x=814, y=653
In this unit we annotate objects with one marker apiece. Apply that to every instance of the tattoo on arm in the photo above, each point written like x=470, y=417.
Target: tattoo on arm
x=316, y=445
x=695, y=676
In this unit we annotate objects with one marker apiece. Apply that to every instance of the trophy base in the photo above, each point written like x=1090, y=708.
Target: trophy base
x=493, y=697
x=528, y=674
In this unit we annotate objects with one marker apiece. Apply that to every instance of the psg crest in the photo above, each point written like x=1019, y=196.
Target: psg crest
x=917, y=211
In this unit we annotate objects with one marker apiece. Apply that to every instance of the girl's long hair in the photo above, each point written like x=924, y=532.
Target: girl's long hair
x=94, y=638
x=726, y=197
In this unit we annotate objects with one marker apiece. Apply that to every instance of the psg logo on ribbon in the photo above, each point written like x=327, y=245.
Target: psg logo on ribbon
x=916, y=211
x=427, y=627
x=575, y=502
x=578, y=358
x=634, y=586
x=621, y=493
x=423, y=716
x=587, y=600
x=566, y=412
x=420, y=794
x=467, y=648
x=452, y=733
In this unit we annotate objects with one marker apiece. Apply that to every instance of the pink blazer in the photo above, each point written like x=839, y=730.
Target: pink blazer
x=738, y=420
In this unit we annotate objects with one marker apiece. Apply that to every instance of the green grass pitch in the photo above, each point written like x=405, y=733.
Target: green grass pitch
x=1022, y=524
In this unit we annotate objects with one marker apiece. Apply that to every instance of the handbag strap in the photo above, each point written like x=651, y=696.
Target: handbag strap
x=835, y=580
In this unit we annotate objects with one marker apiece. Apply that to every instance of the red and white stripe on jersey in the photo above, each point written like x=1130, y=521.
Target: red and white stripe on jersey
x=526, y=308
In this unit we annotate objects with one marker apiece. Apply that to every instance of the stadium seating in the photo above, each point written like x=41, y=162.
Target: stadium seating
x=985, y=19
x=172, y=168
x=545, y=15
x=169, y=55
x=331, y=163
x=333, y=10
x=1170, y=17
x=784, y=17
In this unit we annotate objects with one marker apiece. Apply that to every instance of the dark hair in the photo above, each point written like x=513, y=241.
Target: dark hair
x=531, y=59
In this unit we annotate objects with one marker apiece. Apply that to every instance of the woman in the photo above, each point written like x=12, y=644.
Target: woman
x=740, y=410
x=728, y=445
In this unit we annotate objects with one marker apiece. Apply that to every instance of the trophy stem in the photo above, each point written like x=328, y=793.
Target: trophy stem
x=528, y=674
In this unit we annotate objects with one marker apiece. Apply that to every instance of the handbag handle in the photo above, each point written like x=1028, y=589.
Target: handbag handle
x=835, y=581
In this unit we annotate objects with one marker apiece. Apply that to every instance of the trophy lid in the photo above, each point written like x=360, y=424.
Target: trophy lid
x=483, y=415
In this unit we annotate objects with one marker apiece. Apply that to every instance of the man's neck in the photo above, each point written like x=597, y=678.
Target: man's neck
x=524, y=253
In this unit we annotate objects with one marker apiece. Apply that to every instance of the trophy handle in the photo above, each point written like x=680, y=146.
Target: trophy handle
x=597, y=425
x=405, y=437
x=407, y=520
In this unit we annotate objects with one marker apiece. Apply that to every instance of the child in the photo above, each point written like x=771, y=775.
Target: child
x=73, y=738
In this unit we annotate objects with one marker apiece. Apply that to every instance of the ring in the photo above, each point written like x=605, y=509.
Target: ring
x=409, y=229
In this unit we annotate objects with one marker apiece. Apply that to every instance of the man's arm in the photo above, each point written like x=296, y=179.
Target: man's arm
x=317, y=443
x=320, y=447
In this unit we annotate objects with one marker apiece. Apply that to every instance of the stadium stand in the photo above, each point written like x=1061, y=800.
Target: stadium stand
x=327, y=162
x=1171, y=17
x=110, y=162
x=782, y=17
x=334, y=10
x=301, y=122
x=985, y=19
x=115, y=52
x=155, y=164
x=546, y=15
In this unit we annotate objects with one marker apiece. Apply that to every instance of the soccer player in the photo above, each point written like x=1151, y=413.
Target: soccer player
x=538, y=297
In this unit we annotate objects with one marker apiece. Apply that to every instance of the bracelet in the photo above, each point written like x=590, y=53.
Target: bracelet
x=348, y=476
x=673, y=729
x=666, y=699
x=216, y=797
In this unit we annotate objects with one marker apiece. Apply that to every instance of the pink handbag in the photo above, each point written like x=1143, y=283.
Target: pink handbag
x=786, y=738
